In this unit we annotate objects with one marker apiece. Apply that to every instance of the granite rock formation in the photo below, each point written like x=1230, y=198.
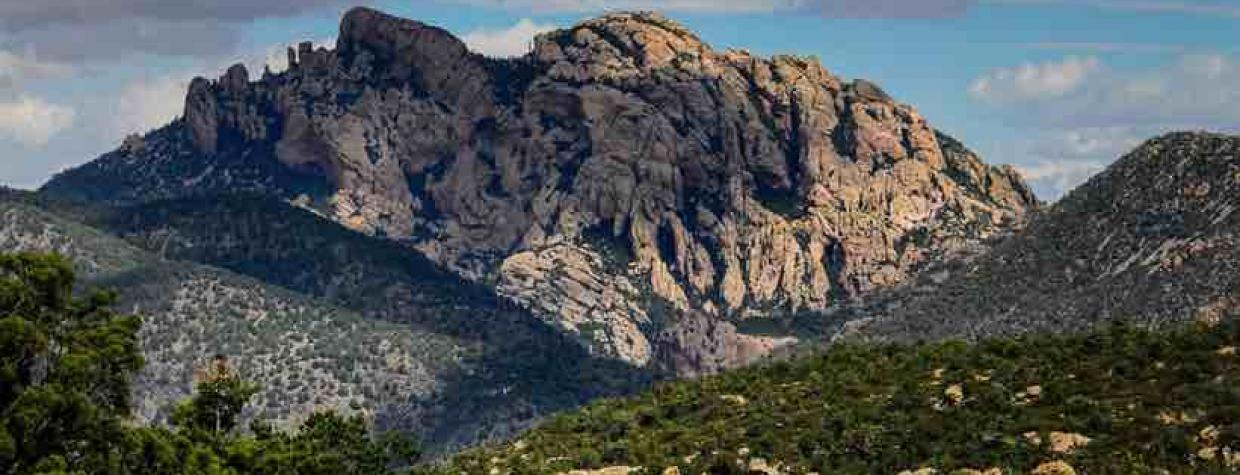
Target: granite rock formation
x=619, y=177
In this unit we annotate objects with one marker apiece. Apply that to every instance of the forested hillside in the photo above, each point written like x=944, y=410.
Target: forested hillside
x=67, y=359
x=320, y=316
x=1118, y=400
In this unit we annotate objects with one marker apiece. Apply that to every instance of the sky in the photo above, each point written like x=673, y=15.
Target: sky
x=1057, y=88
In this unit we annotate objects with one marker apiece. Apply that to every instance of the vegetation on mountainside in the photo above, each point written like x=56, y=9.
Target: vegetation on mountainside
x=1153, y=240
x=321, y=317
x=1119, y=400
x=505, y=367
x=305, y=353
x=65, y=367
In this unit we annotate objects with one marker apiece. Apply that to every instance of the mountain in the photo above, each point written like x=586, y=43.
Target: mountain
x=319, y=316
x=1151, y=240
x=1104, y=338
x=625, y=182
x=459, y=246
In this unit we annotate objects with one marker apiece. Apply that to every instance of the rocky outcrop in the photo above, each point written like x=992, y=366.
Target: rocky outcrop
x=696, y=344
x=620, y=175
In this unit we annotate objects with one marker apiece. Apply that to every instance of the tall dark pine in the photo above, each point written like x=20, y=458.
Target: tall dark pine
x=65, y=366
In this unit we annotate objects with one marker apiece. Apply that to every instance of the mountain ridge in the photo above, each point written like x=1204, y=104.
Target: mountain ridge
x=1151, y=239
x=756, y=186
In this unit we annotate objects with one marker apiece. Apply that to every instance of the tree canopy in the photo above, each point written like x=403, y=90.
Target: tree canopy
x=66, y=362
x=65, y=366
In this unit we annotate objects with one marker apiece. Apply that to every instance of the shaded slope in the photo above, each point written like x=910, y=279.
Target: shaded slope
x=366, y=325
x=514, y=368
x=307, y=354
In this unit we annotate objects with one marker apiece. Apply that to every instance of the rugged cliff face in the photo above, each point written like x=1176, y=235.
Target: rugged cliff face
x=625, y=181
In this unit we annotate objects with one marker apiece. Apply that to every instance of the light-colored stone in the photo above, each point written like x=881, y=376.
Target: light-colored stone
x=1056, y=467
x=954, y=394
x=758, y=465
x=1208, y=434
x=734, y=399
x=970, y=471
x=1067, y=442
x=637, y=171
x=617, y=470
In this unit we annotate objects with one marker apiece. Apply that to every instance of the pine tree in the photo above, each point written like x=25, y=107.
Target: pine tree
x=217, y=403
x=65, y=366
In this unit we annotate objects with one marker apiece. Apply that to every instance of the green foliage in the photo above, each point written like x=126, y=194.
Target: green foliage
x=65, y=365
x=217, y=403
x=206, y=442
x=65, y=369
x=270, y=333
x=888, y=408
x=423, y=348
x=327, y=444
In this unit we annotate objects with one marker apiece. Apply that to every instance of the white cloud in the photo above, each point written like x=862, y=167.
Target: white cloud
x=1216, y=8
x=31, y=121
x=1092, y=115
x=15, y=69
x=829, y=8
x=148, y=103
x=1051, y=179
x=1056, y=161
x=1034, y=81
x=1106, y=47
x=1210, y=67
x=1197, y=90
x=1073, y=126
x=1092, y=142
x=513, y=41
x=595, y=5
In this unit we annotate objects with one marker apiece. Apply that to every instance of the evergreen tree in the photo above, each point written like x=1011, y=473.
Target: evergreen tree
x=65, y=366
x=220, y=396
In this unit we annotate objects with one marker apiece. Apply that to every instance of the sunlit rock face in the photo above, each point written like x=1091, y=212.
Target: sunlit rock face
x=616, y=179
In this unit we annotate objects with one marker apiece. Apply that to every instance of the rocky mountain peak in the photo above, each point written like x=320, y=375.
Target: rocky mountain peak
x=622, y=42
x=404, y=47
x=624, y=180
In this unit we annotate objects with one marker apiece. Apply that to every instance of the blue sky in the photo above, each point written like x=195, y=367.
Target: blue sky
x=1058, y=88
